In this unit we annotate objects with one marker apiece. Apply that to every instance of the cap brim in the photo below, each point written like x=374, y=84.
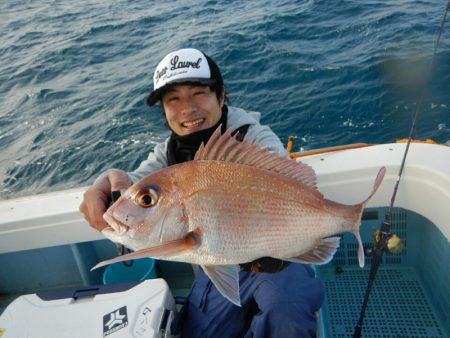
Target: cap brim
x=155, y=95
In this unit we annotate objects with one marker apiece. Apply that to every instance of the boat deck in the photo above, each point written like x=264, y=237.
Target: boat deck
x=410, y=297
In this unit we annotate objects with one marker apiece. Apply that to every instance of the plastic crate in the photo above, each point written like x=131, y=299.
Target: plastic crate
x=411, y=294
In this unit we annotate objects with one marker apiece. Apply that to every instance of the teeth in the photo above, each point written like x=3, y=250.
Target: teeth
x=191, y=124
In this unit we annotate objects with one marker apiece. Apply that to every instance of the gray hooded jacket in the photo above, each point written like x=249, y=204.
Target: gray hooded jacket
x=237, y=117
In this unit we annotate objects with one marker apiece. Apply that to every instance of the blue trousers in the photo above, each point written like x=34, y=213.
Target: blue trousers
x=281, y=304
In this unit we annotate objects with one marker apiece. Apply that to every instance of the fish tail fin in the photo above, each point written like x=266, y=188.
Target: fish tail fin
x=375, y=187
x=361, y=259
x=361, y=207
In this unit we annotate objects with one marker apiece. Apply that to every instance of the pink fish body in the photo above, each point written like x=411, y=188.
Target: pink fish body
x=232, y=204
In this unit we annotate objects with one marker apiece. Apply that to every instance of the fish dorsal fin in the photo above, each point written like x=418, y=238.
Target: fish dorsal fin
x=226, y=148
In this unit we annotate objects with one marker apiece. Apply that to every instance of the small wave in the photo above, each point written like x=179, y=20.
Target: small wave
x=73, y=77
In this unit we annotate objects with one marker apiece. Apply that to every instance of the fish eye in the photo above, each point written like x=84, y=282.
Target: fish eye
x=146, y=198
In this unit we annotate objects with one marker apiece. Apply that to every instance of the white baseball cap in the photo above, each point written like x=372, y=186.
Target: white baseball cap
x=184, y=66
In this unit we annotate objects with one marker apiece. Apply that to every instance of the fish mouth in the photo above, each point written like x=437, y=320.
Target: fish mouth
x=115, y=224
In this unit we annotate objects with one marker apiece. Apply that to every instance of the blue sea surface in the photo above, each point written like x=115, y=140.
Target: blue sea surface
x=74, y=76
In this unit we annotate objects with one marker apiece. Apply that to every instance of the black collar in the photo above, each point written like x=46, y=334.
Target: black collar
x=183, y=148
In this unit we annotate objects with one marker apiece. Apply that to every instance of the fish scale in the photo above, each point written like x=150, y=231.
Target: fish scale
x=274, y=215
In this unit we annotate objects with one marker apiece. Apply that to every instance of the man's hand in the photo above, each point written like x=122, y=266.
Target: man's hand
x=96, y=199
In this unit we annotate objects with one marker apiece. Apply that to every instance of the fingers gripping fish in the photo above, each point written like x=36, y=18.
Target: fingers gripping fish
x=232, y=204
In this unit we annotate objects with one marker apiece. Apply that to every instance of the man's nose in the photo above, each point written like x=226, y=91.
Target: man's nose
x=189, y=105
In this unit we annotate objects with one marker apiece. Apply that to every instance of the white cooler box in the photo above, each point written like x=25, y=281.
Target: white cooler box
x=143, y=309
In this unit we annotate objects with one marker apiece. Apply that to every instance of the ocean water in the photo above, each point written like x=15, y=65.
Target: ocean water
x=74, y=76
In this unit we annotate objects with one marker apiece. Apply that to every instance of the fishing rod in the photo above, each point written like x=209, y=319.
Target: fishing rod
x=383, y=237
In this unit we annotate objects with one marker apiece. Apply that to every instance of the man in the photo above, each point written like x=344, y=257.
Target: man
x=279, y=299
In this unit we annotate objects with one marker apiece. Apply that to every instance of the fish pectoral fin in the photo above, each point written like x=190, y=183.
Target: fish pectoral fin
x=165, y=250
x=322, y=253
x=226, y=280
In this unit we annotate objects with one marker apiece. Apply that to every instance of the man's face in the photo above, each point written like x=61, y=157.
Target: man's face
x=191, y=108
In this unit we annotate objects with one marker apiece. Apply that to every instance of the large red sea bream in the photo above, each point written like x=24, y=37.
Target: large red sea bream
x=232, y=204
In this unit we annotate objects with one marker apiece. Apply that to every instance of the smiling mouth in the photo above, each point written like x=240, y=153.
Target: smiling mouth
x=192, y=124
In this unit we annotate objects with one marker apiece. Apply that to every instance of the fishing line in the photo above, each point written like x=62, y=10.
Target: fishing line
x=384, y=233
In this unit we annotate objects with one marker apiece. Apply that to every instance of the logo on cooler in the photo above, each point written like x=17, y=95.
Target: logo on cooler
x=114, y=321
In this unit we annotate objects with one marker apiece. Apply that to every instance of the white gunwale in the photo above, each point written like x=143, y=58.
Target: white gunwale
x=344, y=176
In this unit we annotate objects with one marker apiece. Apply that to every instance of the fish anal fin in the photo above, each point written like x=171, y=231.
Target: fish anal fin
x=165, y=250
x=226, y=280
x=225, y=147
x=322, y=253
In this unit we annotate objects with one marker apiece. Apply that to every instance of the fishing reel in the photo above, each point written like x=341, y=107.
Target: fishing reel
x=386, y=241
